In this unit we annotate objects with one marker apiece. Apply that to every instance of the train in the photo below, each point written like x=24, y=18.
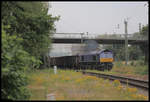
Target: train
x=98, y=59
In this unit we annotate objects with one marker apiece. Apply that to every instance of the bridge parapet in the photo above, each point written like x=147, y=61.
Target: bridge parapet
x=97, y=36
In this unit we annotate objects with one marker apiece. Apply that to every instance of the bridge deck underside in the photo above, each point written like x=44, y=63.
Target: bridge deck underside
x=100, y=41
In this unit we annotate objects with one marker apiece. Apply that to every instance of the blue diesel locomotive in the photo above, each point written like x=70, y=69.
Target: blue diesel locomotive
x=100, y=60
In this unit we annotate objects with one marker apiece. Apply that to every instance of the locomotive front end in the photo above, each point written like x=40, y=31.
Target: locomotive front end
x=106, y=59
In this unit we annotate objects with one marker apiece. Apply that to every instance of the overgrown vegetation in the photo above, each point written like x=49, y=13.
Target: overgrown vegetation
x=26, y=27
x=135, y=69
x=14, y=63
x=71, y=85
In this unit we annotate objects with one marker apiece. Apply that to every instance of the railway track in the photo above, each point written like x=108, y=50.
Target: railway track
x=130, y=81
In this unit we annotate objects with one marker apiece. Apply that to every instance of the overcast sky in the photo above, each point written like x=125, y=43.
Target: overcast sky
x=99, y=17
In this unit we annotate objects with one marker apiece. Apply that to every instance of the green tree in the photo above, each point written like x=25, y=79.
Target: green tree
x=26, y=30
x=30, y=21
x=145, y=47
x=134, y=52
x=15, y=62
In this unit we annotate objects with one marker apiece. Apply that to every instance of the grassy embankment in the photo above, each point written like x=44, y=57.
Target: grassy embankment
x=136, y=69
x=71, y=85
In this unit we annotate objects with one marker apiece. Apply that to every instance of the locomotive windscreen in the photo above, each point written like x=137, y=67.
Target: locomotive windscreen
x=106, y=55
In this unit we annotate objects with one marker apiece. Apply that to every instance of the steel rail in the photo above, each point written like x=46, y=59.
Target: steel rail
x=130, y=81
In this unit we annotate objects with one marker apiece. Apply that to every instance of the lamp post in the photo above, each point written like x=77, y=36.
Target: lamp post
x=126, y=43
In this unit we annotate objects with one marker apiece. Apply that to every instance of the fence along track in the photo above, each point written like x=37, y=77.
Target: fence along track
x=130, y=81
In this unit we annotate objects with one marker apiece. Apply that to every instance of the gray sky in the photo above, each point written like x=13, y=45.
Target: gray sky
x=98, y=17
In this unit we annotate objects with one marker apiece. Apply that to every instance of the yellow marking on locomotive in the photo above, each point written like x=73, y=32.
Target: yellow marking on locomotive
x=106, y=59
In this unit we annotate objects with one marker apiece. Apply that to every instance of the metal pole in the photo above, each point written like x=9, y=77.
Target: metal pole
x=126, y=43
x=139, y=34
x=87, y=34
x=140, y=28
x=82, y=38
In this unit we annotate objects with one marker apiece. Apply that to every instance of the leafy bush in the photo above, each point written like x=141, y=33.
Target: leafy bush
x=31, y=22
x=142, y=70
x=118, y=64
x=132, y=63
x=140, y=62
x=24, y=42
x=15, y=61
x=135, y=67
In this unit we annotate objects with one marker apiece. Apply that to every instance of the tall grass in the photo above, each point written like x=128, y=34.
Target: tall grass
x=134, y=67
x=71, y=85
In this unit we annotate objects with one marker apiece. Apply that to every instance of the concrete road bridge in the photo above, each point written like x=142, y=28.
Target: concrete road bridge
x=77, y=38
